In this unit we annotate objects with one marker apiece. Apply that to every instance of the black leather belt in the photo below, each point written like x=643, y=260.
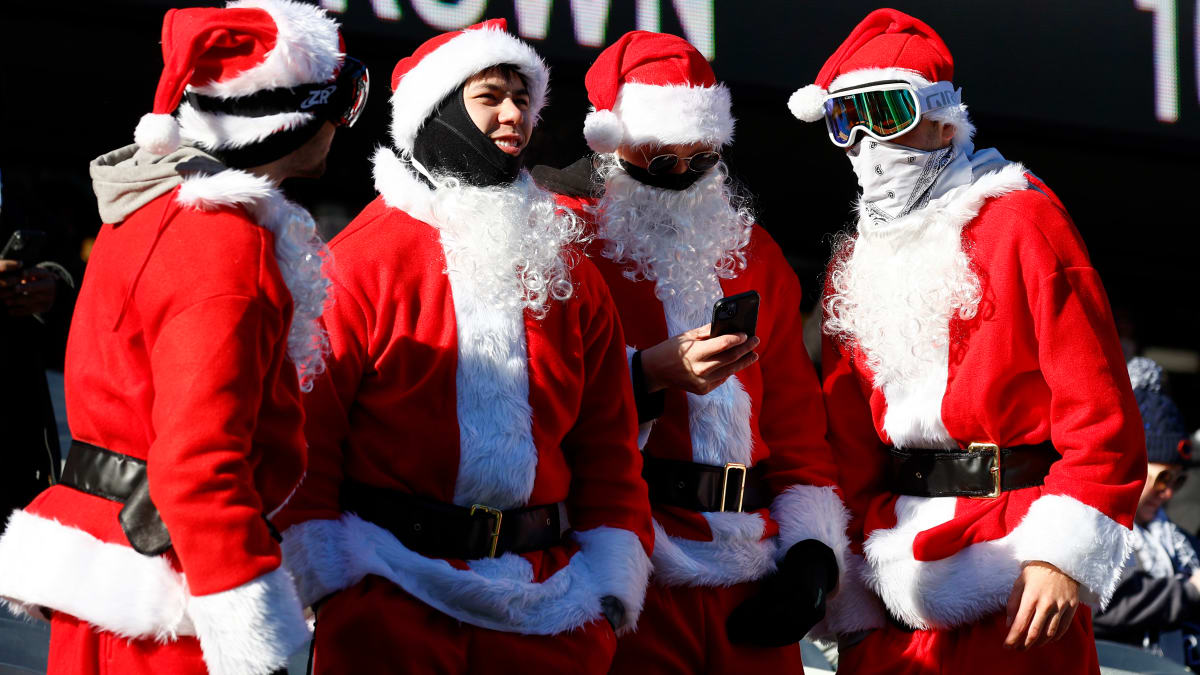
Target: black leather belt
x=982, y=470
x=119, y=478
x=442, y=530
x=702, y=487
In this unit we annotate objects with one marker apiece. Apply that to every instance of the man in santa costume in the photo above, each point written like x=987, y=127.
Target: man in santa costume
x=196, y=329
x=473, y=502
x=749, y=529
x=988, y=440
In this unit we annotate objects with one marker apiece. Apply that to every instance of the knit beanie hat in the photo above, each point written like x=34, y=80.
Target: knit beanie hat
x=1167, y=440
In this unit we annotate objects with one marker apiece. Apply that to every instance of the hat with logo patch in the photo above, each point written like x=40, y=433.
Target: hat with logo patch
x=250, y=82
x=888, y=45
x=655, y=88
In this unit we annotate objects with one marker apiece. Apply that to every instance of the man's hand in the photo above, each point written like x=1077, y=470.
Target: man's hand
x=25, y=291
x=696, y=363
x=1041, y=606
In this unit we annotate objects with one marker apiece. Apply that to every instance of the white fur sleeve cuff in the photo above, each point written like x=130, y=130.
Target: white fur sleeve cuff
x=1084, y=543
x=316, y=555
x=810, y=512
x=251, y=629
x=619, y=567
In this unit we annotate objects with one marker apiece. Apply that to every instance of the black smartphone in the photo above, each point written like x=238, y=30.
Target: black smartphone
x=735, y=314
x=24, y=246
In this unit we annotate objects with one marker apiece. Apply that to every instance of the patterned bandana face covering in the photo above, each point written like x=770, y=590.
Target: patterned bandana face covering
x=895, y=179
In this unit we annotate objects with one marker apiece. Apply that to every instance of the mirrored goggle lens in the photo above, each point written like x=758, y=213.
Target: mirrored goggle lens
x=885, y=113
x=357, y=79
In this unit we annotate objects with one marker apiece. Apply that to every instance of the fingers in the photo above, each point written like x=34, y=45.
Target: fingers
x=704, y=350
x=721, y=374
x=1038, y=627
x=1064, y=625
x=1022, y=618
x=8, y=266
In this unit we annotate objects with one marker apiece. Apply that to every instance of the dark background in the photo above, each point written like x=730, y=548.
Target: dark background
x=1066, y=87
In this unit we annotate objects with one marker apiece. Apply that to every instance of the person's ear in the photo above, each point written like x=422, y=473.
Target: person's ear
x=948, y=131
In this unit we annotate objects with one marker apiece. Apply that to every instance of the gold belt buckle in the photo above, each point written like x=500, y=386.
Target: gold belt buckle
x=733, y=466
x=499, y=516
x=995, y=471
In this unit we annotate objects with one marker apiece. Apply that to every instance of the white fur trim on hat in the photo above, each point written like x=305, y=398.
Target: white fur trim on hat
x=602, y=130
x=218, y=131
x=674, y=114
x=447, y=67
x=957, y=115
x=306, y=50
x=157, y=134
x=807, y=103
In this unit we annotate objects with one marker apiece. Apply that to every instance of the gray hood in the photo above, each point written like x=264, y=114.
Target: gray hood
x=128, y=178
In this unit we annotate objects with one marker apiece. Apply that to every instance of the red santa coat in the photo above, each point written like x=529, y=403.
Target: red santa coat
x=1040, y=361
x=770, y=413
x=177, y=356
x=523, y=411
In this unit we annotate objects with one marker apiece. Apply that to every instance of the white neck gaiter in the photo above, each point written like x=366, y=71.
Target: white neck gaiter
x=897, y=180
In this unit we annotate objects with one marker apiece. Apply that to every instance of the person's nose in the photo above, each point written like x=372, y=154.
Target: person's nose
x=510, y=113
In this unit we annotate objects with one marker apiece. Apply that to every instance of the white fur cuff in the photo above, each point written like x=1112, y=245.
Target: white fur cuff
x=810, y=512
x=1084, y=543
x=251, y=629
x=619, y=567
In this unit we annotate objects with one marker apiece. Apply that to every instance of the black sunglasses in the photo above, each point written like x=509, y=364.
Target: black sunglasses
x=1169, y=478
x=699, y=162
x=353, y=86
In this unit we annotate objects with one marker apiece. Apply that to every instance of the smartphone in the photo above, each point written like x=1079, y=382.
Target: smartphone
x=24, y=246
x=735, y=314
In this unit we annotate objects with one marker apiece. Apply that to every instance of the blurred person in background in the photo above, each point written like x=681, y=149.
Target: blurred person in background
x=473, y=502
x=30, y=289
x=988, y=440
x=743, y=557
x=195, y=331
x=1159, y=589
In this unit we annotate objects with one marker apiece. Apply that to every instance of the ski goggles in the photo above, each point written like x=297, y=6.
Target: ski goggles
x=882, y=110
x=353, y=86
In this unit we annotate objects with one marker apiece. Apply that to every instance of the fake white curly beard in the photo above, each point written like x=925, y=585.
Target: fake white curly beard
x=508, y=242
x=683, y=241
x=894, y=291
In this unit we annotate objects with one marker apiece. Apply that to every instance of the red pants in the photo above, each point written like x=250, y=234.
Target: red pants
x=682, y=630
x=78, y=648
x=977, y=649
x=375, y=627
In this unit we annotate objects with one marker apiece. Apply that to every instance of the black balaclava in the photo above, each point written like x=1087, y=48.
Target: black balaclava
x=450, y=143
x=666, y=181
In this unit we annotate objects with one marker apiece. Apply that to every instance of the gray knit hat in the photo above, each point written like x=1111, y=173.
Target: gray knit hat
x=1167, y=439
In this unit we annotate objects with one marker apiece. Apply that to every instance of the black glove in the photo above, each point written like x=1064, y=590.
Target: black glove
x=789, y=602
x=613, y=610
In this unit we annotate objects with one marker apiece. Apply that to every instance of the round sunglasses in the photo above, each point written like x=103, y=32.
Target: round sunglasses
x=1169, y=478
x=699, y=162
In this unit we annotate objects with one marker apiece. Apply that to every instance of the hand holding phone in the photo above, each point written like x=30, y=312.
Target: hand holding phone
x=700, y=360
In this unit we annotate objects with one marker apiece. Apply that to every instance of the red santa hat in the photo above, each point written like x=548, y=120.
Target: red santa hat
x=887, y=45
x=653, y=88
x=246, y=47
x=443, y=63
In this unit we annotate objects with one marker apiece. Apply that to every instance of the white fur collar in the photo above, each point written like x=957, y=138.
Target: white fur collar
x=400, y=187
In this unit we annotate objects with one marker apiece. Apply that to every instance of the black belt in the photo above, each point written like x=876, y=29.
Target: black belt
x=119, y=478
x=702, y=487
x=442, y=530
x=982, y=470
